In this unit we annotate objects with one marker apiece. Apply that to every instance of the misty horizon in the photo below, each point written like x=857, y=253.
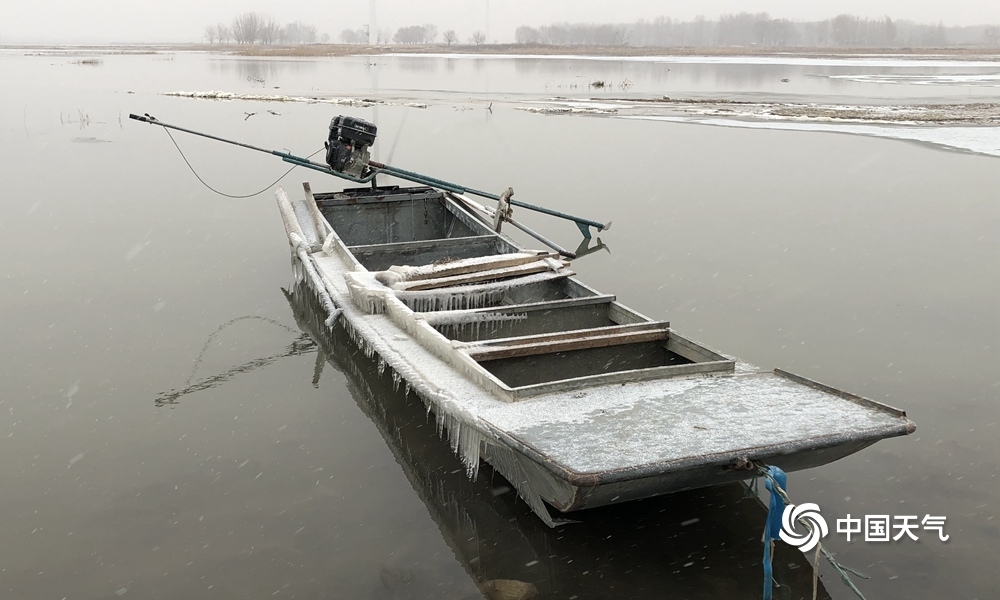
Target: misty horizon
x=181, y=22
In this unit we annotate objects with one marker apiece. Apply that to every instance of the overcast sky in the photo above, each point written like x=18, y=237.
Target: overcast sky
x=185, y=20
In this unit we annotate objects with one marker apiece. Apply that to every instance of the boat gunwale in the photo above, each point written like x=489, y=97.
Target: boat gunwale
x=716, y=362
x=724, y=460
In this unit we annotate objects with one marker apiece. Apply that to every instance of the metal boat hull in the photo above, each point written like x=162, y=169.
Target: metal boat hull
x=576, y=399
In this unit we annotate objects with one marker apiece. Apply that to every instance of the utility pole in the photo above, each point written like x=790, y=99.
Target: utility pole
x=372, y=26
x=487, y=21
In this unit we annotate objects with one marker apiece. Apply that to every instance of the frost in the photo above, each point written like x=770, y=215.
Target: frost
x=453, y=397
x=534, y=442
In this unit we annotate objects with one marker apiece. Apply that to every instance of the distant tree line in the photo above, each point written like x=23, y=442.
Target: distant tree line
x=416, y=34
x=759, y=29
x=258, y=28
x=411, y=34
x=740, y=29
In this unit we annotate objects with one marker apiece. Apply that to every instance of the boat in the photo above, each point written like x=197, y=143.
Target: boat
x=509, y=553
x=576, y=399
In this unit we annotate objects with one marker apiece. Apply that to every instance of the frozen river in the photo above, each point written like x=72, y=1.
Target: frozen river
x=868, y=260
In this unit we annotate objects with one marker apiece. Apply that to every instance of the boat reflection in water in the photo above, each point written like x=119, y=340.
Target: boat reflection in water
x=698, y=544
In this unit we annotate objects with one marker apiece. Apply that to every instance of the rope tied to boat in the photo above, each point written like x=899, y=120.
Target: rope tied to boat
x=772, y=528
x=504, y=211
x=775, y=480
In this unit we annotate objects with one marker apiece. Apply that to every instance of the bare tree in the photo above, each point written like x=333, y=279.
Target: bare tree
x=991, y=35
x=415, y=34
x=888, y=32
x=223, y=33
x=450, y=37
x=270, y=30
x=246, y=28
x=478, y=37
x=354, y=36
x=298, y=33
x=845, y=30
x=758, y=29
x=211, y=34
x=526, y=35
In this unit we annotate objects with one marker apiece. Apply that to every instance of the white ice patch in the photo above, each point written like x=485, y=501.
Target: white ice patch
x=592, y=104
x=973, y=113
x=981, y=140
x=565, y=110
x=975, y=79
x=220, y=95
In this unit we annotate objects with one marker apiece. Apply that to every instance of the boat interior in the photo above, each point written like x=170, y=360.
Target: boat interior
x=519, y=314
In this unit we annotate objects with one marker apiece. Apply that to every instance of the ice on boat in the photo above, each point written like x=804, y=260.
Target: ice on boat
x=578, y=400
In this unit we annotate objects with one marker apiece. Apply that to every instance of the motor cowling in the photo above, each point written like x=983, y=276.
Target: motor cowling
x=347, y=146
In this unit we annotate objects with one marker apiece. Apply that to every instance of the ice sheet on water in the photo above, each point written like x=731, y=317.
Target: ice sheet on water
x=981, y=140
x=221, y=95
x=358, y=102
x=982, y=79
x=566, y=110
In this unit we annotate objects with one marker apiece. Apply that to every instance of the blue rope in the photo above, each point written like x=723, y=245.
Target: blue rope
x=775, y=481
x=773, y=527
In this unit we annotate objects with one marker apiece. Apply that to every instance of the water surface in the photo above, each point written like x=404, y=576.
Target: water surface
x=868, y=264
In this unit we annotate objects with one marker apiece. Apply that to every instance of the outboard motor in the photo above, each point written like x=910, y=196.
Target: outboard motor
x=347, y=147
